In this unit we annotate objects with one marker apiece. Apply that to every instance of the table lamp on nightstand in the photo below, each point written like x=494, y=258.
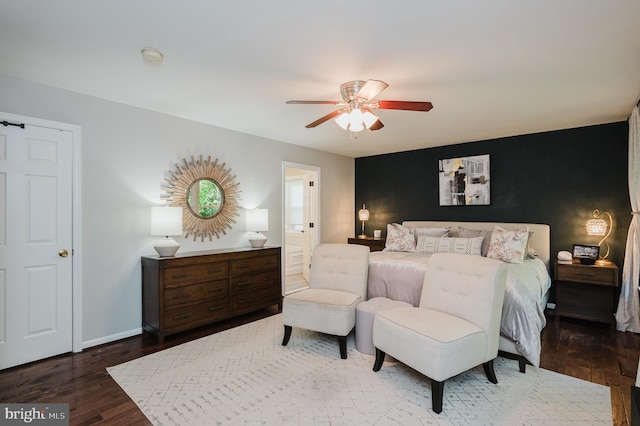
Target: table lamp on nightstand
x=599, y=226
x=363, y=215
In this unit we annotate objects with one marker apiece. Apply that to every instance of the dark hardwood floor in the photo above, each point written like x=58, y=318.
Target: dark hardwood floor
x=584, y=350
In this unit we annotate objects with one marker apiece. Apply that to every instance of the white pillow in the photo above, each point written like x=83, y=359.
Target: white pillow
x=469, y=246
x=399, y=238
x=508, y=246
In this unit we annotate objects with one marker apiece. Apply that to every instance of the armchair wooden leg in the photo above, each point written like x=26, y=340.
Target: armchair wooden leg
x=342, y=341
x=437, y=389
x=379, y=360
x=488, y=370
x=287, y=335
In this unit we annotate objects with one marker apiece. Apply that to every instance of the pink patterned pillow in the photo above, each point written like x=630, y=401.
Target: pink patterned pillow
x=399, y=238
x=508, y=246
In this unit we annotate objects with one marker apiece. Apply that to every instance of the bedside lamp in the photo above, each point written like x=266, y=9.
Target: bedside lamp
x=166, y=221
x=363, y=215
x=599, y=226
x=257, y=221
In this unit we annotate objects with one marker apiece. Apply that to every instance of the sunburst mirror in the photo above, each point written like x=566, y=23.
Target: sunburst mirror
x=208, y=195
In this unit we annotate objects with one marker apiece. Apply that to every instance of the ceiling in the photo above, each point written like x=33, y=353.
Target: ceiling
x=492, y=68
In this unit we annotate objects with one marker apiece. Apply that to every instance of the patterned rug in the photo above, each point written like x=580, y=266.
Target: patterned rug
x=245, y=376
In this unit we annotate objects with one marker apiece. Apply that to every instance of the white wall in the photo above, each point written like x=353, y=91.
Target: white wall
x=126, y=153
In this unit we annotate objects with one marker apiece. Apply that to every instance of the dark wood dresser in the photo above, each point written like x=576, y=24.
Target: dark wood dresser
x=197, y=288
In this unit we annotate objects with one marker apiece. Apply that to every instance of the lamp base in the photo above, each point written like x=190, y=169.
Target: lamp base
x=362, y=236
x=257, y=240
x=166, y=247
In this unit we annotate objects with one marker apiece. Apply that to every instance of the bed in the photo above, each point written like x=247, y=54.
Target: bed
x=398, y=275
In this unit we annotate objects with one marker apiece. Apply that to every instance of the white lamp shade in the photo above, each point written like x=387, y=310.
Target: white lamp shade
x=257, y=220
x=343, y=120
x=166, y=221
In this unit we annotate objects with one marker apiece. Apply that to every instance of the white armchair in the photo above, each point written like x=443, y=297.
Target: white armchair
x=455, y=328
x=337, y=282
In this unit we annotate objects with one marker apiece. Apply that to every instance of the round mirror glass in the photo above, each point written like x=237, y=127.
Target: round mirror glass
x=205, y=198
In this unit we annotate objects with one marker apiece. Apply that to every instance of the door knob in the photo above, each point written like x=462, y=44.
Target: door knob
x=63, y=253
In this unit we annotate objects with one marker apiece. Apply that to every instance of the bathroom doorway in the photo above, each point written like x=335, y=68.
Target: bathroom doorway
x=301, y=220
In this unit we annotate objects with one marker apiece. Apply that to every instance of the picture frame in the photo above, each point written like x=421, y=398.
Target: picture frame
x=586, y=254
x=465, y=181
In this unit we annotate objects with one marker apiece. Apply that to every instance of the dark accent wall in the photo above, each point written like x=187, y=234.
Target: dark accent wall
x=557, y=178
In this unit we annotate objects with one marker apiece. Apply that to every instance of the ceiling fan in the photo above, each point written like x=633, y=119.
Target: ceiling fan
x=355, y=113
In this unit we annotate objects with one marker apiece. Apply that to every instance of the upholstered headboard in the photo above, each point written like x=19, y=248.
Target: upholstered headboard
x=540, y=238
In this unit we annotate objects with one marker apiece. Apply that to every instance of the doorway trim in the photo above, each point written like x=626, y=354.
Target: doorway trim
x=315, y=209
x=76, y=224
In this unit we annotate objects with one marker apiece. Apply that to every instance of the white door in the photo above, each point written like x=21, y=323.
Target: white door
x=311, y=221
x=35, y=243
x=310, y=176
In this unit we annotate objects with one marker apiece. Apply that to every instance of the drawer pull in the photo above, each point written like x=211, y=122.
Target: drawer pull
x=586, y=274
x=214, y=271
x=177, y=317
x=216, y=290
x=244, y=266
x=179, y=276
x=215, y=308
x=180, y=296
x=240, y=302
x=170, y=286
x=244, y=283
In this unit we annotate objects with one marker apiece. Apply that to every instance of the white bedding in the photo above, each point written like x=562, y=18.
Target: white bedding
x=399, y=276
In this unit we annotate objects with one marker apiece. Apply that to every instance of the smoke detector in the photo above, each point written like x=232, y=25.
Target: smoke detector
x=151, y=55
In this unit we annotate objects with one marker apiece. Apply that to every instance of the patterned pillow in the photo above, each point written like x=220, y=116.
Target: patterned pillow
x=399, y=238
x=470, y=233
x=508, y=246
x=432, y=232
x=469, y=246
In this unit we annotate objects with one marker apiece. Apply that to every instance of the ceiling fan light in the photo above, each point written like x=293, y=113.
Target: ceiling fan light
x=343, y=120
x=369, y=118
x=355, y=116
x=357, y=126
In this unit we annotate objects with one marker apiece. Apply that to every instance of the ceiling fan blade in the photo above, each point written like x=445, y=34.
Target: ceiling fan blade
x=314, y=102
x=371, y=88
x=323, y=119
x=405, y=105
x=377, y=125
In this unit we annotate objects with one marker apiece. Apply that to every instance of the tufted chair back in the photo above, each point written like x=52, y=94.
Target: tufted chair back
x=469, y=292
x=340, y=267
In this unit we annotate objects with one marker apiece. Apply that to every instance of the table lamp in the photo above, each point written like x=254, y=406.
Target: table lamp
x=166, y=221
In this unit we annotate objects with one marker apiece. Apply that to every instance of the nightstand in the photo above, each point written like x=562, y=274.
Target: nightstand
x=374, y=244
x=586, y=291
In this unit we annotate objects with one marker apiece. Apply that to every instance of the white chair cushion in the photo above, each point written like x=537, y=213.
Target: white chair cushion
x=324, y=310
x=432, y=342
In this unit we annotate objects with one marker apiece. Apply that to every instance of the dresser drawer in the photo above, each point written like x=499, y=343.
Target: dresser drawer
x=195, y=273
x=264, y=263
x=259, y=297
x=195, y=313
x=252, y=282
x=578, y=273
x=196, y=292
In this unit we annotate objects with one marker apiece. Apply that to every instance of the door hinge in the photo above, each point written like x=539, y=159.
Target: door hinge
x=311, y=183
x=311, y=225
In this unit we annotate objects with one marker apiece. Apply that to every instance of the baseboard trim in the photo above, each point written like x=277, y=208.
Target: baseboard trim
x=111, y=338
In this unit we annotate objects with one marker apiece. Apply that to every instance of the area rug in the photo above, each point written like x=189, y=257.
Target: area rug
x=245, y=376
